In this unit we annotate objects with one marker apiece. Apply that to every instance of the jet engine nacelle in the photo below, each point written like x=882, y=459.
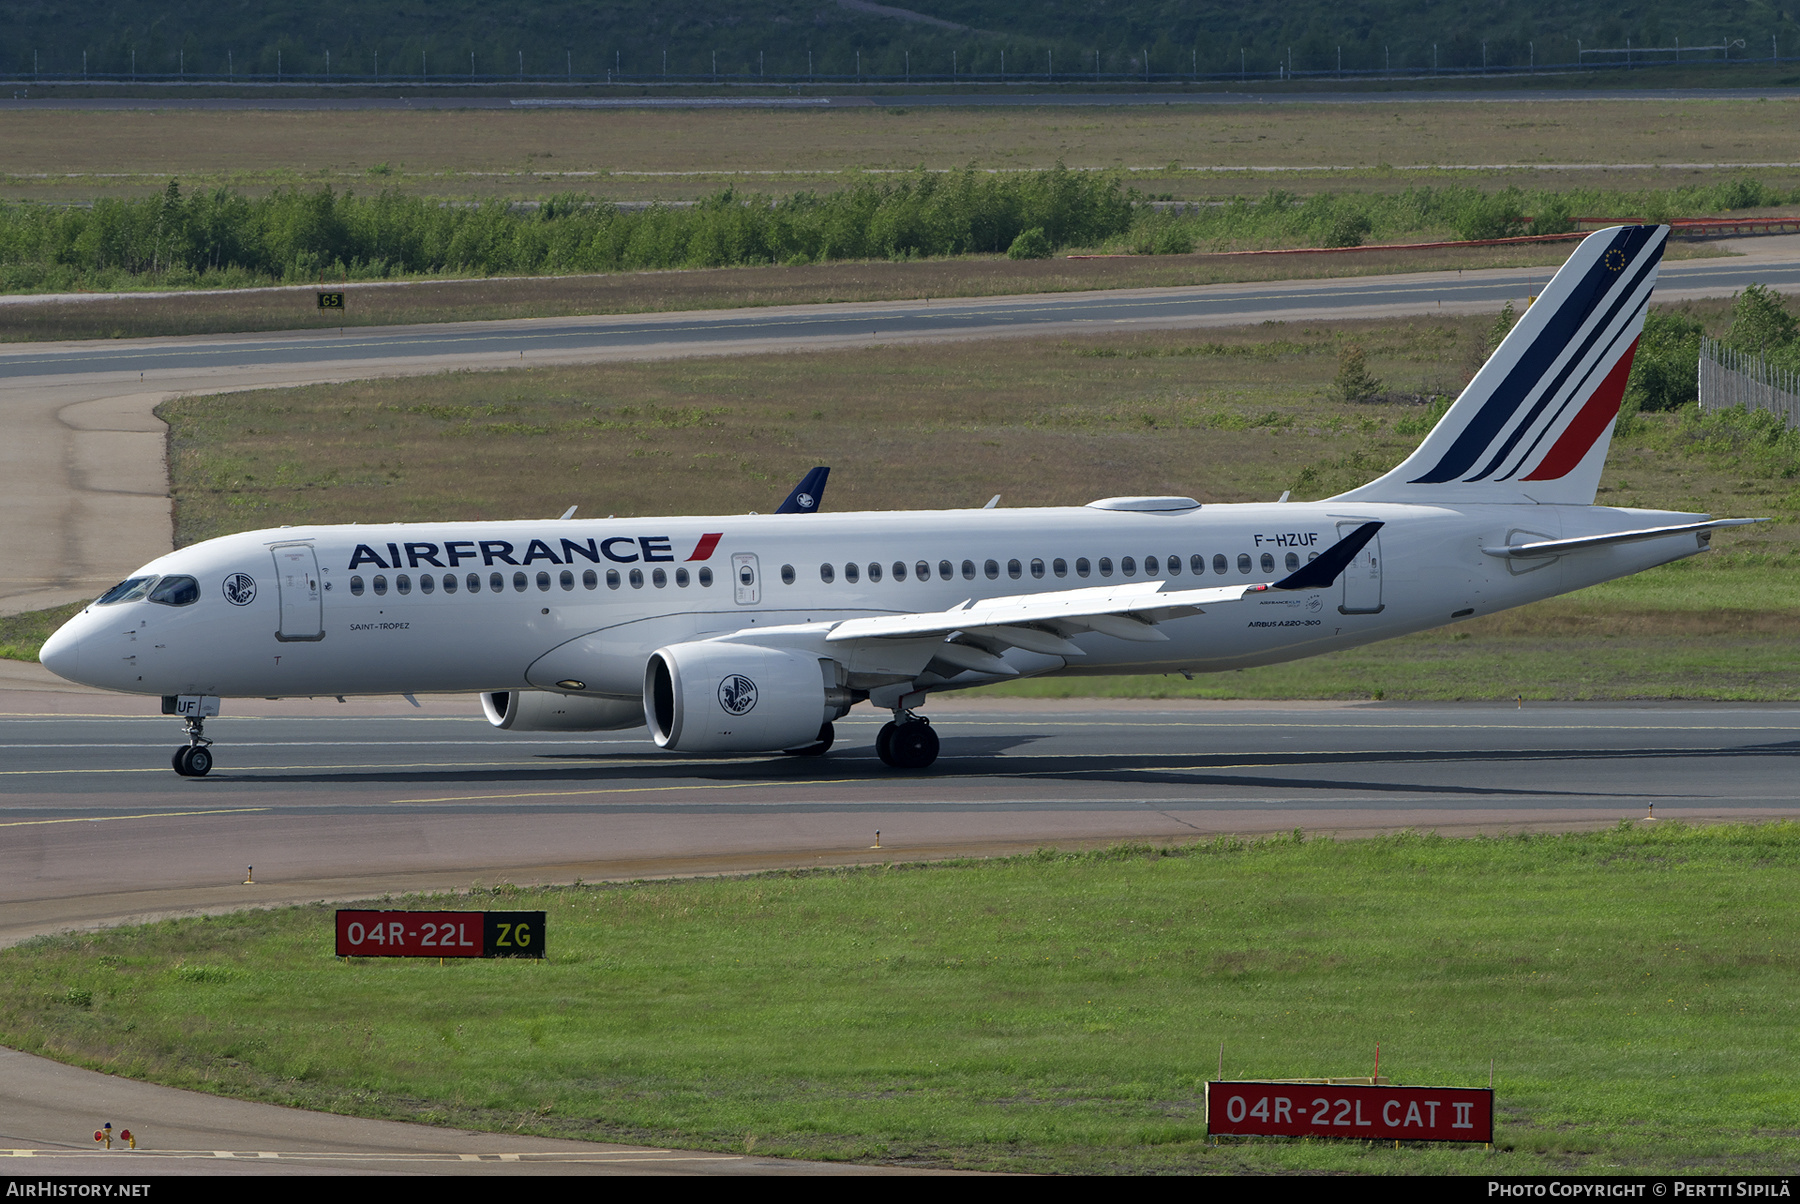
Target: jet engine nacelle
x=721, y=697
x=544, y=711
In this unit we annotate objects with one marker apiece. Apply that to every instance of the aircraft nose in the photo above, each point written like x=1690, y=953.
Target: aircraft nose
x=61, y=653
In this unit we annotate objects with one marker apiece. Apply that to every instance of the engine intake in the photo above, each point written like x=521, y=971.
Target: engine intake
x=722, y=697
x=544, y=711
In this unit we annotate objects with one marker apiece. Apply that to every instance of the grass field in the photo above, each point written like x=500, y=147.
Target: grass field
x=1237, y=415
x=1234, y=415
x=678, y=154
x=1058, y=1012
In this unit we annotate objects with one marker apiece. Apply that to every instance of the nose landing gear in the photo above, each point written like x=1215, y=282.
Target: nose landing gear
x=907, y=743
x=193, y=759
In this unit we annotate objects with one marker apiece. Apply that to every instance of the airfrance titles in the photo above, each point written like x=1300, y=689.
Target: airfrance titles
x=619, y=549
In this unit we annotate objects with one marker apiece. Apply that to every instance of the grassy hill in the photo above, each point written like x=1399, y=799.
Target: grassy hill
x=554, y=38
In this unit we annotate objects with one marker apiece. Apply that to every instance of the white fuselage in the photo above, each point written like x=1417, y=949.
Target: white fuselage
x=520, y=605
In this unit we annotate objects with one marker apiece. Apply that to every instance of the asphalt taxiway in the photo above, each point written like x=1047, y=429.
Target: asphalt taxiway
x=318, y=800
x=330, y=801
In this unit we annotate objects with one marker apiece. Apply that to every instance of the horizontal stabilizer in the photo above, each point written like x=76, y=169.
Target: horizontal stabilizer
x=1556, y=547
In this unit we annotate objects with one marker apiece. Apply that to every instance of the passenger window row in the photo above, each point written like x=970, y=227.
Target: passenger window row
x=1127, y=566
x=496, y=582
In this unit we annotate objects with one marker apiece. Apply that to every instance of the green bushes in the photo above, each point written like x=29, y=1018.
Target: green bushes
x=1665, y=371
x=220, y=238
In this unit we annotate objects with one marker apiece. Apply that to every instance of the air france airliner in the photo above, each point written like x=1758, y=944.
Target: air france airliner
x=748, y=634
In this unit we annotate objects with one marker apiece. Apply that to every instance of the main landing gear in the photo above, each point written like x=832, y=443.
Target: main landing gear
x=194, y=759
x=908, y=742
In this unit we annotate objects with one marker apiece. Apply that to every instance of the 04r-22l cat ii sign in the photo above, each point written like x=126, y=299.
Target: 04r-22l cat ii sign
x=752, y=634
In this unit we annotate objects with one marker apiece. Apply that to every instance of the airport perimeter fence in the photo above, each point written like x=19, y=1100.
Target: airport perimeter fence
x=1731, y=378
x=58, y=66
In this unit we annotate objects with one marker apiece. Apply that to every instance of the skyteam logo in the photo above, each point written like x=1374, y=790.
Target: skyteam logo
x=737, y=694
x=240, y=589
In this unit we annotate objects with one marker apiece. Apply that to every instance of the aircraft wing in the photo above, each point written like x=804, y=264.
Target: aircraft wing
x=1044, y=622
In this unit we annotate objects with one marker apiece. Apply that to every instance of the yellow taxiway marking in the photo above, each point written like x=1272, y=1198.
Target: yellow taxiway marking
x=101, y=819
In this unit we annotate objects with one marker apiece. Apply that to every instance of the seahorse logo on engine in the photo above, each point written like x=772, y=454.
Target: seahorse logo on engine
x=737, y=694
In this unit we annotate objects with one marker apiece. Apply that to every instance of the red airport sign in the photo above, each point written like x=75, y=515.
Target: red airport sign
x=440, y=934
x=1345, y=1110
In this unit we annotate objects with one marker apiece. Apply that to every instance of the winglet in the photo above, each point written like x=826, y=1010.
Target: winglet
x=807, y=494
x=1320, y=573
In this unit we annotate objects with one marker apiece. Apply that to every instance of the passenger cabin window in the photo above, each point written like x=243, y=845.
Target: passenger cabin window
x=1014, y=569
x=519, y=582
x=1220, y=564
x=1060, y=567
x=992, y=569
x=176, y=591
x=450, y=583
x=566, y=579
x=612, y=578
x=1293, y=562
x=681, y=578
x=851, y=573
x=1128, y=566
x=1174, y=566
x=591, y=580
x=1106, y=566
x=356, y=587
x=1037, y=569
x=636, y=578
x=1197, y=563
x=543, y=580
x=946, y=570
x=1243, y=562
x=1081, y=566
x=705, y=577
x=1150, y=566
x=379, y=585
x=131, y=589
x=473, y=581
x=922, y=570
x=787, y=575
x=899, y=570
x=827, y=574
x=403, y=584
x=659, y=578
x=1268, y=563
x=497, y=583
x=968, y=570
x=427, y=583
x=874, y=572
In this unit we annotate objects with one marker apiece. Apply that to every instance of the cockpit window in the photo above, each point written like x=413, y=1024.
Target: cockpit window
x=129, y=590
x=176, y=591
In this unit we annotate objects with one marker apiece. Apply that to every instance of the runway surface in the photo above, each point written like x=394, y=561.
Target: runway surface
x=789, y=326
x=329, y=801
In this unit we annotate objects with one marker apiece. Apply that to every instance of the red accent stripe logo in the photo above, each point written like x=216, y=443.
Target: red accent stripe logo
x=1588, y=426
x=704, y=549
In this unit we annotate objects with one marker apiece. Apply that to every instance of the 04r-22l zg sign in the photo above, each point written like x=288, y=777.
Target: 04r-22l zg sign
x=440, y=934
x=1346, y=1110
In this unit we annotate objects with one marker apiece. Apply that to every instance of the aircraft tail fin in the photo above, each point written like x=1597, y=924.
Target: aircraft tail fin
x=1535, y=423
x=807, y=494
